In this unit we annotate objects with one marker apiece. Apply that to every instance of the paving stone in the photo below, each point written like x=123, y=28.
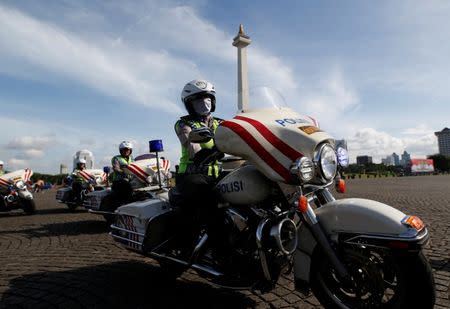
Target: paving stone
x=64, y=259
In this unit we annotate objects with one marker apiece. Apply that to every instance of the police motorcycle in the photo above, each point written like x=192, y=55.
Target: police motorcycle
x=145, y=176
x=279, y=215
x=14, y=193
x=94, y=180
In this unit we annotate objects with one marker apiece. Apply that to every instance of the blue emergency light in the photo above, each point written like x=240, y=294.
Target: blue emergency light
x=156, y=145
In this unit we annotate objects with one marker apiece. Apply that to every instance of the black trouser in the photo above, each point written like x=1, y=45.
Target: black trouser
x=199, y=203
x=122, y=191
x=76, y=189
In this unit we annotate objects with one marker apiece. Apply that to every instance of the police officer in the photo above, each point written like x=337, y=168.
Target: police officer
x=120, y=185
x=78, y=181
x=2, y=172
x=196, y=182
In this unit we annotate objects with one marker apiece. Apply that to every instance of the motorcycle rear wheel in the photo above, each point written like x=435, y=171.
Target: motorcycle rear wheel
x=380, y=279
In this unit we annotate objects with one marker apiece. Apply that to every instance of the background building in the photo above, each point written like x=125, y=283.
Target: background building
x=388, y=161
x=63, y=169
x=444, y=141
x=363, y=160
x=406, y=159
x=85, y=154
x=396, y=159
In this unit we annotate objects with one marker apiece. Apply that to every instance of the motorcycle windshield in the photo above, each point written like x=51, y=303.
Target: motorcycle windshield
x=265, y=97
x=270, y=135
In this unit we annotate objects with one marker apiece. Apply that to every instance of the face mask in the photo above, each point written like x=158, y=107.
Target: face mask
x=202, y=106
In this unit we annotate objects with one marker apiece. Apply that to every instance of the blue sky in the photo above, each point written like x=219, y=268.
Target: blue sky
x=89, y=74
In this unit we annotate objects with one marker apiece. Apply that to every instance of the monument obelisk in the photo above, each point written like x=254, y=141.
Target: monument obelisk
x=241, y=41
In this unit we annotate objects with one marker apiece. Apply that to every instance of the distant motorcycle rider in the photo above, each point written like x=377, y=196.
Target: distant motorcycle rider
x=2, y=172
x=120, y=180
x=195, y=182
x=79, y=182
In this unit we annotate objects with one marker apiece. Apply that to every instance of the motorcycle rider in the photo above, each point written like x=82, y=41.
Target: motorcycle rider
x=2, y=172
x=195, y=182
x=78, y=181
x=120, y=184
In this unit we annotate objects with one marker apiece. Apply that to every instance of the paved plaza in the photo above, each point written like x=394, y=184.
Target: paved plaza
x=59, y=259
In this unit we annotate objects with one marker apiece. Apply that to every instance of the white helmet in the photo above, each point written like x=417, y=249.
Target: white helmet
x=1, y=162
x=126, y=144
x=81, y=161
x=197, y=88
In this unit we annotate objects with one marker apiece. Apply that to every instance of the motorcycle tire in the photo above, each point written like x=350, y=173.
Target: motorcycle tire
x=171, y=270
x=380, y=279
x=29, y=206
x=72, y=206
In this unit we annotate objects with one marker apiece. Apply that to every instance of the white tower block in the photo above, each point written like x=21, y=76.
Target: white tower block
x=241, y=41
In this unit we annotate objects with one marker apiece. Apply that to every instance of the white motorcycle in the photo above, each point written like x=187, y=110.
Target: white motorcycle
x=14, y=193
x=143, y=180
x=93, y=179
x=279, y=215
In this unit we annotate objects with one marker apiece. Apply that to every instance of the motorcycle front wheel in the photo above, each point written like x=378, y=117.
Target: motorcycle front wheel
x=29, y=206
x=379, y=279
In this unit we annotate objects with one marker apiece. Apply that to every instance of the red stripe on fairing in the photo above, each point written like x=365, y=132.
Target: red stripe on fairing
x=140, y=170
x=284, y=148
x=166, y=164
x=26, y=176
x=86, y=175
x=258, y=149
x=4, y=182
x=136, y=172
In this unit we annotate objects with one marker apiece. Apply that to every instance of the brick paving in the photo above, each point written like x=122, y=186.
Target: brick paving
x=62, y=259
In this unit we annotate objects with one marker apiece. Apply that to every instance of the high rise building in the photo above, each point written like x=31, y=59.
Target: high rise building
x=443, y=141
x=406, y=159
x=396, y=159
x=84, y=154
x=363, y=160
x=388, y=161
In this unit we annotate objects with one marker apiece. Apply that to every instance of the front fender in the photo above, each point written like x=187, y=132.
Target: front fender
x=354, y=216
x=361, y=216
x=25, y=194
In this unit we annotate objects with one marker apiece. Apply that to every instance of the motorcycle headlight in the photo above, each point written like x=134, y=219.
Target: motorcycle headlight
x=303, y=169
x=327, y=162
x=342, y=156
x=20, y=185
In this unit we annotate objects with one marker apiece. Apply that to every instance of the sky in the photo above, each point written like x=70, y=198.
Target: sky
x=85, y=74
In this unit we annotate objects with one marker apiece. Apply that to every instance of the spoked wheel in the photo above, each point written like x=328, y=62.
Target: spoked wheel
x=379, y=279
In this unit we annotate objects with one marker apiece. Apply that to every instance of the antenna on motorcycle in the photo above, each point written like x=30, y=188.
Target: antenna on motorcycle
x=156, y=146
x=241, y=41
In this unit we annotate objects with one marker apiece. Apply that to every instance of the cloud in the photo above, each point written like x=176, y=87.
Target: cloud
x=33, y=153
x=368, y=141
x=15, y=164
x=31, y=143
x=420, y=129
x=117, y=71
x=330, y=100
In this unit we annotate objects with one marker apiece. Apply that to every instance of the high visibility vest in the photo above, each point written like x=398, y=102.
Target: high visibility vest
x=115, y=175
x=76, y=176
x=186, y=163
